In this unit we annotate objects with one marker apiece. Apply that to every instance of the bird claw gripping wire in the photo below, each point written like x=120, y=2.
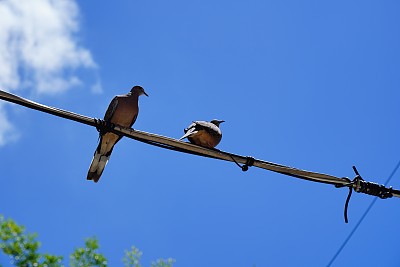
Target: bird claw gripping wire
x=361, y=186
x=103, y=126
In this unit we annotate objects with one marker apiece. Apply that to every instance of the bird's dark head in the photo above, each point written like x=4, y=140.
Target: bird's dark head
x=137, y=89
x=217, y=122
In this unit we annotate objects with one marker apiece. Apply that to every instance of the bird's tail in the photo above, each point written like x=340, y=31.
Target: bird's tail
x=99, y=162
x=188, y=132
x=101, y=155
x=183, y=137
x=97, y=166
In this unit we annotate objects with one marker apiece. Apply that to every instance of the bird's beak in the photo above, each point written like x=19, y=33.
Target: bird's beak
x=221, y=121
x=145, y=94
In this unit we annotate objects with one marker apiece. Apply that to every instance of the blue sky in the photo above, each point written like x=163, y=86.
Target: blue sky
x=310, y=84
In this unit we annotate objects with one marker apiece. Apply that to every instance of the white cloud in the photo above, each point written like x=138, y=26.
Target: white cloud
x=39, y=50
x=97, y=87
x=7, y=130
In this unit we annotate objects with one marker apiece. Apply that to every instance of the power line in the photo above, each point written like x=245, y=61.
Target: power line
x=361, y=219
x=174, y=144
x=359, y=185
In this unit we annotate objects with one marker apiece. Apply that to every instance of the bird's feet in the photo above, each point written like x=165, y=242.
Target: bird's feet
x=104, y=126
x=99, y=124
x=110, y=125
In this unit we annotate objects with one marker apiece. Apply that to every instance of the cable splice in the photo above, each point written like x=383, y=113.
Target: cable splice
x=361, y=186
x=374, y=189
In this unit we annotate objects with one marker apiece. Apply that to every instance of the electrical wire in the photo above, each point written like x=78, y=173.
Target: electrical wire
x=361, y=219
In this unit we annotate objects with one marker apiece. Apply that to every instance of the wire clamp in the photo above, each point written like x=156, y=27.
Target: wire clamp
x=245, y=167
x=249, y=163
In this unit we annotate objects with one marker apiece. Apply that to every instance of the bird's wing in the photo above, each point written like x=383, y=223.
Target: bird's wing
x=111, y=109
x=133, y=120
x=208, y=127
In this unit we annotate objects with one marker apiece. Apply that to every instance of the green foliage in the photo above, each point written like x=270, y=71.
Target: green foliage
x=88, y=255
x=163, y=263
x=23, y=247
x=132, y=257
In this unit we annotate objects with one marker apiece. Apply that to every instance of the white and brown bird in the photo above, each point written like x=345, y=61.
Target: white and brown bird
x=122, y=111
x=203, y=133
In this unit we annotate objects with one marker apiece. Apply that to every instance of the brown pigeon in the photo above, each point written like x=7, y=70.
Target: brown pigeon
x=122, y=111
